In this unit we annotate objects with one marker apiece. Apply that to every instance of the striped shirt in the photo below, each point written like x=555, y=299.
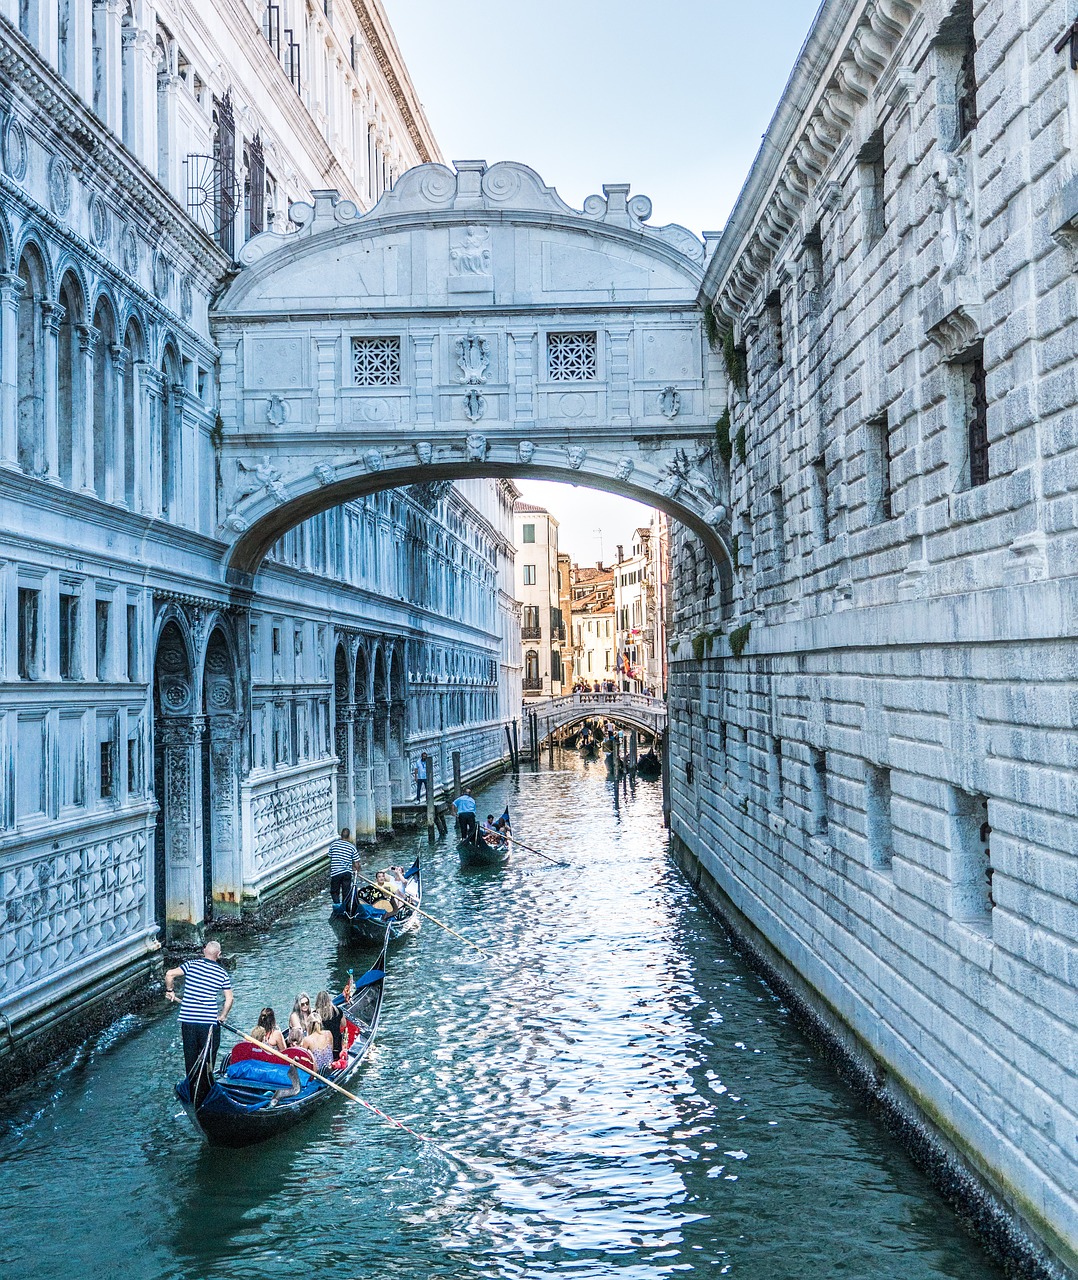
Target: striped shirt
x=203, y=982
x=341, y=854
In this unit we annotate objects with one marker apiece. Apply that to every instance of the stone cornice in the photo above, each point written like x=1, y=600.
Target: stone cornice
x=95, y=149
x=379, y=37
x=847, y=52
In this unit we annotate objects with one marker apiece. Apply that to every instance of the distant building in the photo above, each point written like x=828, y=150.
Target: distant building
x=565, y=605
x=542, y=630
x=640, y=613
x=594, y=629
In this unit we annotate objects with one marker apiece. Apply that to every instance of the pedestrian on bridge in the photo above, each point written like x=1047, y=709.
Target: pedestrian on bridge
x=419, y=773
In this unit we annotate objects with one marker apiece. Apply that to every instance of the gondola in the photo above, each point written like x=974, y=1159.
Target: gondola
x=649, y=765
x=247, y=1102
x=356, y=922
x=477, y=853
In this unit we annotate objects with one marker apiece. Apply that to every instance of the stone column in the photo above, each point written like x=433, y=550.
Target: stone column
x=225, y=729
x=168, y=168
x=52, y=317
x=365, y=826
x=80, y=43
x=144, y=74
x=383, y=787
x=11, y=290
x=181, y=740
x=343, y=744
x=118, y=481
x=148, y=387
x=82, y=429
x=108, y=36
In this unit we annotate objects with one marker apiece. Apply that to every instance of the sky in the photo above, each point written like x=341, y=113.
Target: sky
x=671, y=97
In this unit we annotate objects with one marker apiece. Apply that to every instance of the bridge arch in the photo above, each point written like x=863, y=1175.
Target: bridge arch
x=471, y=325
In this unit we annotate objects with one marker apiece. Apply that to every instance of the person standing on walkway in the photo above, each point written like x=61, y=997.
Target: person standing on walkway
x=342, y=863
x=464, y=808
x=204, y=982
x=420, y=775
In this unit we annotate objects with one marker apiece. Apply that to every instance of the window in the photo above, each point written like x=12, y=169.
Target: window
x=820, y=527
x=133, y=771
x=29, y=638
x=774, y=320
x=956, y=76
x=871, y=168
x=132, y=642
x=818, y=791
x=69, y=630
x=878, y=470
x=102, y=610
x=976, y=421
x=106, y=748
x=72, y=752
x=878, y=829
x=971, y=857
x=529, y=575
x=778, y=527
x=527, y=533
x=530, y=623
x=774, y=776
x=276, y=641
x=813, y=278
x=376, y=362
x=572, y=357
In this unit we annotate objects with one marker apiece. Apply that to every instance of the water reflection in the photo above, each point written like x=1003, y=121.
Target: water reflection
x=618, y=1095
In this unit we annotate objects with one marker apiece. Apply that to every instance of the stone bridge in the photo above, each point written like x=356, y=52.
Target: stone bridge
x=633, y=710
x=471, y=324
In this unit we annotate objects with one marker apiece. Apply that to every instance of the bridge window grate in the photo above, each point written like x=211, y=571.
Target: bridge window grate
x=376, y=362
x=572, y=357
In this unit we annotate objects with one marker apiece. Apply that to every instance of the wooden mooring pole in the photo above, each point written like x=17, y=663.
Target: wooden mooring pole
x=431, y=777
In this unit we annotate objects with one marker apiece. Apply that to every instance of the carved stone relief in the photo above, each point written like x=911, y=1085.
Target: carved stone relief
x=13, y=149
x=59, y=184
x=475, y=405
x=473, y=359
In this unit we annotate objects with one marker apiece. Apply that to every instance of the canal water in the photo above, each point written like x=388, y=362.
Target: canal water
x=620, y=1096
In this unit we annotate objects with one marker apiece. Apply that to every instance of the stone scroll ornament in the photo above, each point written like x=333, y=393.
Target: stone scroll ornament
x=473, y=360
x=670, y=402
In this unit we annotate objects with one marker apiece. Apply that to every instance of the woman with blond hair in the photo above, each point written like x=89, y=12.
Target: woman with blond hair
x=299, y=1020
x=331, y=1017
x=320, y=1043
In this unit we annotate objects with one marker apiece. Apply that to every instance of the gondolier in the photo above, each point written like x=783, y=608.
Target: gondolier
x=464, y=808
x=204, y=982
x=342, y=858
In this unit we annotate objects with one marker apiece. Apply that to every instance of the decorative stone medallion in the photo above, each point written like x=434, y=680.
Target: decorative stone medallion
x=162, y=274
x=14, y=149
x=100, y=221
x=129, y=251
x=59, y=182
x=186, y=298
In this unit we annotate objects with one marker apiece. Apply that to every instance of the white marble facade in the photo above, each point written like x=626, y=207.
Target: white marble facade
x=873, y=755
x=168, y=749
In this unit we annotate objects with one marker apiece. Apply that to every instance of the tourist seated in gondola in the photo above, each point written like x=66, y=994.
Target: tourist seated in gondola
x=332, y=1019
x=385, y=901
x=319, y=1043
x=271, y=1032
x=299, y=1020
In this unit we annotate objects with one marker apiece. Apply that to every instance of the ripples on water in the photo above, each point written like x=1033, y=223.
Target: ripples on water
x=618, y=1095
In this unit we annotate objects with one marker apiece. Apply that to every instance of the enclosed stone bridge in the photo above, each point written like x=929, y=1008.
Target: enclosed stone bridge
x=471, y=324
x=632, y=710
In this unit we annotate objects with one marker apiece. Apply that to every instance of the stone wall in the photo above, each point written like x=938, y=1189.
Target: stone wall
x=882, y=787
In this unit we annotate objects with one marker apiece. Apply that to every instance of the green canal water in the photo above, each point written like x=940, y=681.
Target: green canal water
x=620, y=1094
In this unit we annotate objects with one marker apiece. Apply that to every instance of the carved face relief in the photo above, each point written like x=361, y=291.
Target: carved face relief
x=374, y=460
x=525, y=450
x=624, y=469
x=424, y=451
x=477, y=448
x=575, y=457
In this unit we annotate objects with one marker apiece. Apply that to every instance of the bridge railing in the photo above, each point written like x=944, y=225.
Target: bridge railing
x=609, y=701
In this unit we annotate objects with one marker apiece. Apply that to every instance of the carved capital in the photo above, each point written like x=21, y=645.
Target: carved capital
x=11, y=289
x=52, y=314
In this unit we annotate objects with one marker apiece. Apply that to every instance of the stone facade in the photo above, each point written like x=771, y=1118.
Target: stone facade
x=542, y=626
x=877, y=780
x=171, y=750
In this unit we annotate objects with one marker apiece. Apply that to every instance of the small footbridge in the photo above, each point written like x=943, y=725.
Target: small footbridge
x=629, y=710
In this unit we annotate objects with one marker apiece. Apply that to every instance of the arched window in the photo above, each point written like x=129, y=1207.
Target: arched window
x=133, y=354
x=104, y=411
x=170, y=460
x=29, y=371
x=531, y=667
x=68, y=397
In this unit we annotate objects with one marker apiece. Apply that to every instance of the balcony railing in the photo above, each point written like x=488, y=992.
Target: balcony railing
x=533, y=686
x=531, y=633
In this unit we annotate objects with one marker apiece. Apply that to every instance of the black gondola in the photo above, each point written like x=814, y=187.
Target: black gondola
x=356, y=922
x=253, y=1098
x=476, y=852
x=649, y=765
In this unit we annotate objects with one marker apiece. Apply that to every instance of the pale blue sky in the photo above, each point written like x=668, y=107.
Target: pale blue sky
x=671, y=97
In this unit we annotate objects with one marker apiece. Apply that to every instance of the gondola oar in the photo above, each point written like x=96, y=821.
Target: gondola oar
x=352, y=1097
x=530, y=849
x=426, y=915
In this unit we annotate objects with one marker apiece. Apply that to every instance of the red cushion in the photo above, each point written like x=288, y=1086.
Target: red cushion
x=247, y=1052
x=301, y=1057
